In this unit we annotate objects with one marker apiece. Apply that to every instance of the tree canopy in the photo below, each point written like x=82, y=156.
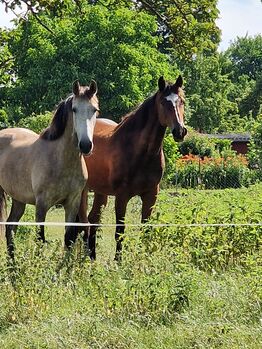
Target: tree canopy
x=188, y=27
x=245, y=55
x=126, y=46
x=117, y=48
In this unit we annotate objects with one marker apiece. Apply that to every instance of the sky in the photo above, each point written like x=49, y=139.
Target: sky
x=237, y=18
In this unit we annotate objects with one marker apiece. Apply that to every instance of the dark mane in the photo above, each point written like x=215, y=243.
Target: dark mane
x=58, y=124
x=141, y=110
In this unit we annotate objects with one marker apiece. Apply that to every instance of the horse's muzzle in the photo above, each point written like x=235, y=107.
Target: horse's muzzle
x=179, y=134
x=85, y=147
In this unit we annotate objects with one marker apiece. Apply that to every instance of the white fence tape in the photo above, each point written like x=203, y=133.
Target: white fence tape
x=178, y=225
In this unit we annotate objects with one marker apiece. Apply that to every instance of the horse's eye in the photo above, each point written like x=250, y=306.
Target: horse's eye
x=74, y=110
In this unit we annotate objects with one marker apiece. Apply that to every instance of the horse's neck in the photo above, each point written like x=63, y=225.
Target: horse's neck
x=68, y=143
x=142, y=130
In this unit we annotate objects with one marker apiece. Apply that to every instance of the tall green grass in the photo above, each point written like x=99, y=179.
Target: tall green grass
x=175, y=287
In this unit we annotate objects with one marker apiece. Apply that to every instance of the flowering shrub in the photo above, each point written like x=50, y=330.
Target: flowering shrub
x=211, y=173
x=201, y=145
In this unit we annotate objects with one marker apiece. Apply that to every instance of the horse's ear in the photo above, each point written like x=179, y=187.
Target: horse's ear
x=76, y=88
x=93, y=87
x=179, y=81
x=161, y=83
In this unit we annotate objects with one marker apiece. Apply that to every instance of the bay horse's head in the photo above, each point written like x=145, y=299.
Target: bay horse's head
x=170, y=99
x=85, y=109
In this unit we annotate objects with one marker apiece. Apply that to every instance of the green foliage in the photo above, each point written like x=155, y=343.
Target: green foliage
x=245, y=55
x=208, y=89
x=255, y=149
x=213, y=173
x=246, y=66
x=171, y=155
x=6, y=59
x=214, y=247
x=36, y=123
x=176, y=287
x=3, y=119
x=202, y=145
x=210, y=163
x=186, y=27
x=117, y=48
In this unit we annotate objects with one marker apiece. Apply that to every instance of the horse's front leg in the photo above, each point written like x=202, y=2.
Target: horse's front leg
x=148, y=202
x=82, y=216
x=120, y=211
x=17, y=211
x=71, y=210
x=94, y=216
x=41, y=209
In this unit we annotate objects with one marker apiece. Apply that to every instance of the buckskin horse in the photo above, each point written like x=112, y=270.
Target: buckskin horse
x=49, y=169
x=128, y=160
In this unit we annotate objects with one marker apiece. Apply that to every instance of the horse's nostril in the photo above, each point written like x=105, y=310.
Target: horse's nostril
x=179, y=133
x=85, y=146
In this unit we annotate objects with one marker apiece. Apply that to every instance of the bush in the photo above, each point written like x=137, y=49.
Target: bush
x=3, y=119
x=255, y=148
x=197, y=144
x=171, y=155
x=212, y=173
x=36, y=123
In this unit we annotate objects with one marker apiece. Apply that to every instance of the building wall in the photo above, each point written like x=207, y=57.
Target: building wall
x=240, y=147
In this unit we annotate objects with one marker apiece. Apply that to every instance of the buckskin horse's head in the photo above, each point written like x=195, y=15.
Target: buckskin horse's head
x=170, y=98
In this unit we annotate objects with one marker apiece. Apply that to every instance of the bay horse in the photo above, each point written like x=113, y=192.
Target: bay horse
x=49, y=169
x=127, y=159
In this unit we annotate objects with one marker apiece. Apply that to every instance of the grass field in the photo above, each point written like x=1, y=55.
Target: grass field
x=176, y=287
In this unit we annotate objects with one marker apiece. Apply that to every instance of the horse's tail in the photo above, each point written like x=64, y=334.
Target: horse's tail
x=2, y=212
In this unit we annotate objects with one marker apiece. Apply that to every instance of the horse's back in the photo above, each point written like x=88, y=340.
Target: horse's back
x=10, y=136
x=15, y=161
x=104, y=126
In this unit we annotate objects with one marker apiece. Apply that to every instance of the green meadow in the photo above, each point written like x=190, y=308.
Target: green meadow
x=177, y=286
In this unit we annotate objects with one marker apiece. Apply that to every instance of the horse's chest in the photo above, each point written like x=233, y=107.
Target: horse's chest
x=138, y=180
x=71, y=180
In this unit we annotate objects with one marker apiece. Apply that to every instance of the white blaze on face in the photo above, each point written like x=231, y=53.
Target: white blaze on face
x=173, y=98
x=84, y=119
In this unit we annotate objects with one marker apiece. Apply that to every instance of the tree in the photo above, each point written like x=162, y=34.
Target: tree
x=208, y=90
x=117, y=48
x=255, y=150
x=6, y=64
x=245, y=55
x=188, y=27
x=6, y=59
x=246, y=73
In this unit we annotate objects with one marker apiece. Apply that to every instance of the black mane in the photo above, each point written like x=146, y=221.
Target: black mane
x=58, y=124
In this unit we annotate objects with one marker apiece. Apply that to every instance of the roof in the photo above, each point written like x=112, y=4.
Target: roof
x=234, y=137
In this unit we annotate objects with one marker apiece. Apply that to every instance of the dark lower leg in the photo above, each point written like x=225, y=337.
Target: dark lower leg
x=148, y=202
x=120, y=209
x=119, y=234
x=40, y=215
x=17, y=211
x=72, y=215
x=94, y=218
x=92, y=242
x=41, y=234
x=70, y=236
